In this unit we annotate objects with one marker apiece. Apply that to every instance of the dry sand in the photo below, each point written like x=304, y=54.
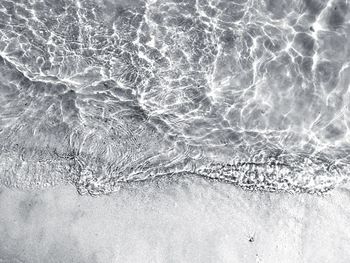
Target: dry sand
x=188, y=220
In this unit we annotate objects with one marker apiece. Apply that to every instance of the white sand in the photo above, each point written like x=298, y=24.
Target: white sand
x=190, y=220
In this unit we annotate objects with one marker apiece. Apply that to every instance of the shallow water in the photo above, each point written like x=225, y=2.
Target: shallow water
x=105, y=93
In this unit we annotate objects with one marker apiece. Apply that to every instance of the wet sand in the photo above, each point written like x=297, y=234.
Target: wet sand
x=188, y=220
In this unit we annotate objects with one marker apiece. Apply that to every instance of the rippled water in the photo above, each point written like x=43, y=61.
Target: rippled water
x=103, y=93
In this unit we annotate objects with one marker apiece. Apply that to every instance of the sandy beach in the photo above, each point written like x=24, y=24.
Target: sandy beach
x=187, y=220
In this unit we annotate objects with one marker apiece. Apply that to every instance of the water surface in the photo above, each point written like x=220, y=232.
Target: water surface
x=105, y=93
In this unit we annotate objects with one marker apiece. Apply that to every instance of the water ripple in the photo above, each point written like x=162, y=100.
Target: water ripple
x=103, y=93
